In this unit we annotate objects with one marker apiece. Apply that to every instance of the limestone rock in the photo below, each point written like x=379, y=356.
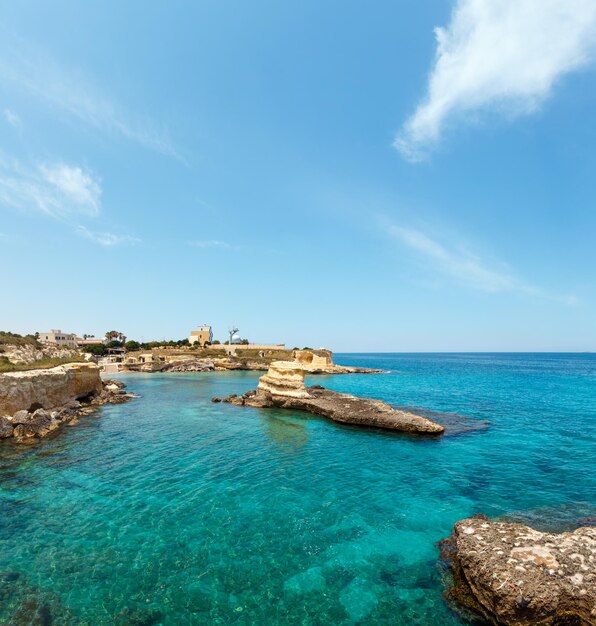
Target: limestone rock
x=39, y=424
x=47, y=388
x=284, y=380
x=283, y=387
x=44, y=399
x=190, y=366
x=514, y=575
x=6, y=428
x=20, y=417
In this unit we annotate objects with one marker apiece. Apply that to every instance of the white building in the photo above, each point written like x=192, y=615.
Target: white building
x=58, y=338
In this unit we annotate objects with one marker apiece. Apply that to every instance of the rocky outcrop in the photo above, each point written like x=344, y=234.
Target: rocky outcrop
x=511, y=574
x=283, y=387
x=47, y=388
x=321, y=362
x=36, y=402
x=189, y=366
x=27, y=353
x=283, y=380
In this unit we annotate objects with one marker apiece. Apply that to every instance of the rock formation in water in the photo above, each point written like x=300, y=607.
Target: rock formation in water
x=284, y=379
x=283, y=387
x=34, y=403
x=512, y=574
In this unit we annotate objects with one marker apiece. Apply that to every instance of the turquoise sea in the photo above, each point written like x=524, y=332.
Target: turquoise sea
x=173, y=510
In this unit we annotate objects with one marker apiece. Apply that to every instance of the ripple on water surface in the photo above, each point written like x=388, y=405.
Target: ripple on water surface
x=174, y=510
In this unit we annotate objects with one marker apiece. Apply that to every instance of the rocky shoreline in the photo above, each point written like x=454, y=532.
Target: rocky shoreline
x=312, y=362
x=228, y=364
x=35, y=403
x=283, y=387
x=514, y=575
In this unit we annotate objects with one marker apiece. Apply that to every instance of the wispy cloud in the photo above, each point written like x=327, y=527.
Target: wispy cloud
x=56, y=189
x=107, y=239
x=499, y=54
x=466, y=267
x=210, y=243
x=70, y=90
x=13, y=119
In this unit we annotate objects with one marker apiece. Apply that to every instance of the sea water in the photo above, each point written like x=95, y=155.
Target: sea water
x=173, y=510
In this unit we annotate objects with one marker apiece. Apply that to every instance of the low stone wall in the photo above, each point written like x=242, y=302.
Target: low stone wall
x=47, y=388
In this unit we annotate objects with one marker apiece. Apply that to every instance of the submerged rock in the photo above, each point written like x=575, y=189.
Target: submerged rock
x=283, y=387
x=454, y=423
x=512, y=574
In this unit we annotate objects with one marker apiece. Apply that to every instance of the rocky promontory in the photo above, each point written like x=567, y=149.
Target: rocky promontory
x=511, y=574
x=34, y=403
x=283, y=387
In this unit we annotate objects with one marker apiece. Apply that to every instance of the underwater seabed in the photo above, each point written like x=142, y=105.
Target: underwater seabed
x=174, y=510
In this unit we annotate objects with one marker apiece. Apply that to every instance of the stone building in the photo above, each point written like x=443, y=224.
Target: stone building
x=201, y=335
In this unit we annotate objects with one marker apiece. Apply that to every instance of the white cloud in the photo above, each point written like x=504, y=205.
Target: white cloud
x=13, y=119
x=56, y=189
x=107, y=239
x=71, y=91
x=75, y=185
x=210, y=243
x=468, y=268
x=499, y=54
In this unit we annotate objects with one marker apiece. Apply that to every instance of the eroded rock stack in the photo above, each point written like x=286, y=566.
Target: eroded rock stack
x=283, y=387
x=512, y=574
x=284, y=379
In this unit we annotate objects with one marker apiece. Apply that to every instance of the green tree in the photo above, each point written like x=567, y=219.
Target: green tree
x=132, y=345
x=97, y=349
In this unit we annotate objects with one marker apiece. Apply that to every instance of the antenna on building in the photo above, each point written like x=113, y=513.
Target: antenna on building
x=232, y=332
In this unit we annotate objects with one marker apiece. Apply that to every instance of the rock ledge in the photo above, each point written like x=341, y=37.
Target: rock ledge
x=512, y=574
x=283, y=387
x=35, y=403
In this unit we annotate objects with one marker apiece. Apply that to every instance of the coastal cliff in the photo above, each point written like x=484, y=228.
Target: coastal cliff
x=34, y=403
x=514, y=575
x=47, y=388
x=283, y=387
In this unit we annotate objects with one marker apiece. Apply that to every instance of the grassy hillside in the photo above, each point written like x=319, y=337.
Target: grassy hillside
x=7, y=366
x=13, y=339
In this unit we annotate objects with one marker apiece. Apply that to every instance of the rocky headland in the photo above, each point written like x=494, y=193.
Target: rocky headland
x=218, y=360
x=283, y=387
x=514, y=575
x=34, y=403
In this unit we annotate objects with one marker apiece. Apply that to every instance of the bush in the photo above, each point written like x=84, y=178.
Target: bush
x=97, y=349
x=132, y=346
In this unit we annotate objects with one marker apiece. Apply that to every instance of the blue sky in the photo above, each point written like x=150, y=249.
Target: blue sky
x=393, y=176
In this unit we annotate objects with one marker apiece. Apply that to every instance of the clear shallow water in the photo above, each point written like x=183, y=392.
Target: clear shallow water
x=174, y=510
